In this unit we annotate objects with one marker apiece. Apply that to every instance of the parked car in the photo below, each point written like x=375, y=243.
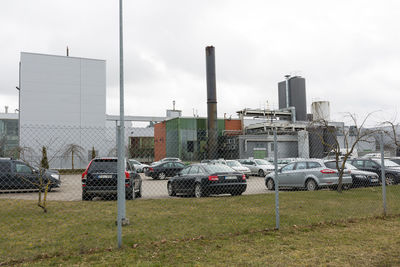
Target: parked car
x=166, y=160
x=360, y=178
x=138, y=165
x=100, y=179
x=202, y=180
x=163, y=170
x=258, y=167
x=395, y=159
x=308, y=174
x=234, y=164
x=392, y=169
x=282, y=161
x=16, y=174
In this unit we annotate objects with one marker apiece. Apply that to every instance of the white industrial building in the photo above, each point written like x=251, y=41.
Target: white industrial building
x=63, y=102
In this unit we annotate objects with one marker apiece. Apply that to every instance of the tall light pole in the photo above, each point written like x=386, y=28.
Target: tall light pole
x=121, y=137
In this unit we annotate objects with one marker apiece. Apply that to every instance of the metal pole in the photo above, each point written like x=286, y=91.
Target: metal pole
x=276, y=181
x=121, y=136
x=287, y=90
x=383, y=178
x=19, y=110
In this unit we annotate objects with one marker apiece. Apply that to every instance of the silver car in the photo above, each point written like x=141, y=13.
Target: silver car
x=139, y=167
x=234, y=164
x=309, y=174
x=258, y=167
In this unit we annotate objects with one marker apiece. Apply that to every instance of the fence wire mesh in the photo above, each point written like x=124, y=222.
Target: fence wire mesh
x=177, y=186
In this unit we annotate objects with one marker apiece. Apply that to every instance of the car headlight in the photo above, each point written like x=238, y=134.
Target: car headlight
x=360, y=176
x=55, y=176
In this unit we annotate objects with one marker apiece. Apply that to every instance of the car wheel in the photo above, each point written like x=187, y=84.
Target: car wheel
x=85, y=197
x=261, y=173
x=161, y=176
x=270, y=184
x=129, y=195
x=346, y=187
x=139, y=193
x=389, y=178
x=171, y=191
x=198, y=191
x=311, y=185
x=236, y=193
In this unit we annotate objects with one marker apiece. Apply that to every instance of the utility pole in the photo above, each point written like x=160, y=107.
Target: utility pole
x=121, y=220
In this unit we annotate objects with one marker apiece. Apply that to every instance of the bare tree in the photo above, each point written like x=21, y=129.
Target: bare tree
x=42, y=183
x=392, y=134
x=113, y=152
x=351, y=138
x=73, y=150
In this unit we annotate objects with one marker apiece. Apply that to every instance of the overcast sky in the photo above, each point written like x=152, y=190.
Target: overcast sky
x=348, y=51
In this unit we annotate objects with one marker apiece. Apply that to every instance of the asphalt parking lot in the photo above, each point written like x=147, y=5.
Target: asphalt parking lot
x=70, y=189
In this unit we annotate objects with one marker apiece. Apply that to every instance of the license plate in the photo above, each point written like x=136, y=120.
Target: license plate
x=230, y=177
x=105, y=176
x=374, y=180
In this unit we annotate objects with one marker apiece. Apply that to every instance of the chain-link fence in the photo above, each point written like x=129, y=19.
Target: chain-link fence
x=179, y=187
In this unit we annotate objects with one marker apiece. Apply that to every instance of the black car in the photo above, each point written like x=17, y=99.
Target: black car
x=17, y=175
x=164, y=169
x=392, y=169
x=100, y=179
x=204, y=179
x=166, y=160
x=359, y=177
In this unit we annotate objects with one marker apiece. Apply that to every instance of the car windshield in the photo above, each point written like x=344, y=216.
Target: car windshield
x=332, y=165
x=262, y=162
x=350, y=167
x=388, y=163
x=103, y=166
x=170, y=159
x=217, y=168
x=233, y=163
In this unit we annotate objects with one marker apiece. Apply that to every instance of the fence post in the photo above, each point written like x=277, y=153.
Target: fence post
x=276, y=181
x=383, y=176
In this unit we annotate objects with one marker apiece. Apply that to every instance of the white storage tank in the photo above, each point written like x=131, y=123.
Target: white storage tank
x=321, y=110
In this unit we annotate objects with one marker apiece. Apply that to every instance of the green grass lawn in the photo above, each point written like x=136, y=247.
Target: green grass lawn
x=71, y=230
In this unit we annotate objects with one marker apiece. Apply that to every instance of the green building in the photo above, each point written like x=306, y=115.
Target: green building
x=8, y=135
x=186, y=138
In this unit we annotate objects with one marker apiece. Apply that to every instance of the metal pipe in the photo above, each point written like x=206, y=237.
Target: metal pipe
x=277, y=219
x=121, y=136
x=211, y=103
x=287, y=90
x=383, y=178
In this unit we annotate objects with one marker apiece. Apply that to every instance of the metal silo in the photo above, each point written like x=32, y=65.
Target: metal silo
x=297, y=96
x=321, y=110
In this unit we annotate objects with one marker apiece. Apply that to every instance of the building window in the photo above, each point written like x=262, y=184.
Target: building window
x=190, y=146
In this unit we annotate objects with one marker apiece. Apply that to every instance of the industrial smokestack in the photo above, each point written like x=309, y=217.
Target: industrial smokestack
x=211, y=103
x=6, y=109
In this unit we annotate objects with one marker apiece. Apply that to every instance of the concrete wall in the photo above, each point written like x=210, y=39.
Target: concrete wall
x=59, y=90
x=287, y=145
x=62, y=102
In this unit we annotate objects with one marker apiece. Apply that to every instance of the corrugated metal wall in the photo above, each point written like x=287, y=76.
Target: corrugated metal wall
x=160, y=150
